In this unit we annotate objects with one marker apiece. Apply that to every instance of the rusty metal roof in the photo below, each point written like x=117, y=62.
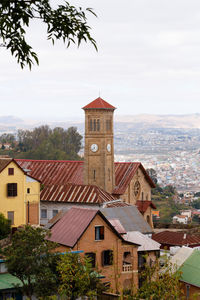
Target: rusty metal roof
x=62, y=172
x=99, y=103
x=75, y=193
x=129, y=216
x=178, y=238
x=143, y=205
x=66, y=232
x=4, y=162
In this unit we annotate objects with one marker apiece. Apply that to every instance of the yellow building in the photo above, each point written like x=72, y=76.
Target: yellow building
x=19, y=194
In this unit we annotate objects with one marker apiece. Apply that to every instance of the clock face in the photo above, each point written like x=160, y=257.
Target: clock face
x=108, y=147
x=94, y=147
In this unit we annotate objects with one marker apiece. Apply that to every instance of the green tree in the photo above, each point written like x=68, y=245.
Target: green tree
x=66, y=23
x=77, y=278
x=45, y=143
x=159, y=283
x=29, y=258
x=5, y=227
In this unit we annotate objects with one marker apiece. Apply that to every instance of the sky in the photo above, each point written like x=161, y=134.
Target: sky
x=148, y=62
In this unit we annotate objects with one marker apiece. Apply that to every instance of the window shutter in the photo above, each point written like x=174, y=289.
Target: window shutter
x=9, y=189
x=14, y=189
x=102, y=258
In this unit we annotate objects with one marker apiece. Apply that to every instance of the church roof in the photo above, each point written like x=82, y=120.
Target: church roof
x=54, y=172
x=99, y=103
x=143, y=205
x=77, y=193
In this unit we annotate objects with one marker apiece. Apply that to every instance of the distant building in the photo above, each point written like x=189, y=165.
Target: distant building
x=180, y=219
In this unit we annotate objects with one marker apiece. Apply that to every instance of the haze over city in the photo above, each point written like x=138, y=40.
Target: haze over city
x=147, y=62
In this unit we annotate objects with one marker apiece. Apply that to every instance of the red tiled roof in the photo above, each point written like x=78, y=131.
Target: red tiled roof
x=143, y=205
x=62, y=172
x=4, y=162
x=75, y=193
x=176, y=238
x=99, y=103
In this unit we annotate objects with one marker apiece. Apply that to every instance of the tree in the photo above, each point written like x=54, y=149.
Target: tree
x=30, y=260
x=66, y=23
x=152, y=173
x=45, y=143
x=159, y=283
x=5, y=227
x=77, y=278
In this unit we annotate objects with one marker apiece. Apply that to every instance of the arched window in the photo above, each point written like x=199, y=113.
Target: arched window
x=91, y=127
x=94, y=123
x=148, y=219
x=98, y=125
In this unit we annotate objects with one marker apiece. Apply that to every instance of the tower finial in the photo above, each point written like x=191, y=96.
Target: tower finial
x=99, y=93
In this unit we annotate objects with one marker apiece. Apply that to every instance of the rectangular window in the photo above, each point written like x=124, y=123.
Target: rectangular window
x=44, y=213
x=99, y=233
x=28, y=190
x=54, y=212
x=12, y=189
x=11, y=217
x=92, y=258
x=10, y=171
x=107, y=258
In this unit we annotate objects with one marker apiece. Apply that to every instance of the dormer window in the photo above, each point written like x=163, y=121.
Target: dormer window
x=10, y=171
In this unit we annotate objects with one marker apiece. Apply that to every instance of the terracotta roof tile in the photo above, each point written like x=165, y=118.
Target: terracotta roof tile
x=4, y=162
x=176, y=238
x=99, y=103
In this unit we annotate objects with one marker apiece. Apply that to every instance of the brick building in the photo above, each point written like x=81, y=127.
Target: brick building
x=115, y=257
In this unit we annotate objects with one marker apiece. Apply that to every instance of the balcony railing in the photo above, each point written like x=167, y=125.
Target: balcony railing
x=127, y=268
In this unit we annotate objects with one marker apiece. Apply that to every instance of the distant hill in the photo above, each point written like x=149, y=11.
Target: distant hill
x=161, y=121
x=122, y=122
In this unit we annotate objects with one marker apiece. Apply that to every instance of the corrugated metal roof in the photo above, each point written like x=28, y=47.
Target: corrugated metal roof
x=66, y=232
x=129, y=216
x=4, y=162
x=181, y=255
x=118, y=226
x=146, y=243
x=178, y=238
x=8, y=281
x=75, y=193
x=99, y=103
x=143, y=205
x=190, y=270
x=62, y=172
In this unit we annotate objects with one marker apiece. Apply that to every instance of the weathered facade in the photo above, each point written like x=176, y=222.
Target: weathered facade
x=19, y=194
x=115, y=257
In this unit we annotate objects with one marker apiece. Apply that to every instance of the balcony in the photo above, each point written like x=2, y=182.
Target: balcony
x=127, y=268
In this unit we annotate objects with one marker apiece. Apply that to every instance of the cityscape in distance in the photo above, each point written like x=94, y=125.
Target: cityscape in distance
x=170, y=144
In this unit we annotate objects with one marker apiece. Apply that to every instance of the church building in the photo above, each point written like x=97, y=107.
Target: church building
x=96, y=180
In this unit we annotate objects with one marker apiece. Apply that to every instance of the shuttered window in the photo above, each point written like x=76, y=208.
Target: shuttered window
x=107, y=258
x=10, y=171
x=12, y=189
x=11, y=217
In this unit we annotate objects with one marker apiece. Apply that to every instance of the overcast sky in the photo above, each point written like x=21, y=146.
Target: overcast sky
x=148, y=61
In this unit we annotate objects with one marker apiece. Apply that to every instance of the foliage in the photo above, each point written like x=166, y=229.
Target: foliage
x=66, y=23
x=196, y=204
x=152, y=173
x=30, y=260
x=5, y=227
x=46, y=143
x=77, y=278
x=159, y=284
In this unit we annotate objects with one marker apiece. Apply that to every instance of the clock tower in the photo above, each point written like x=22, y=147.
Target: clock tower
x=99, y=148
